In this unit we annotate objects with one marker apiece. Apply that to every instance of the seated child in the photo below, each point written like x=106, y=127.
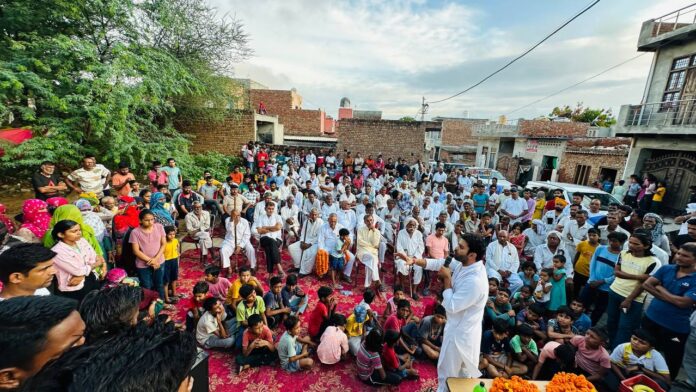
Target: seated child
x=399, y=294
x=217, y=285
x=250, y=304
x=212, y=331
x=401, y=365
x=171, y=265
x=334, y=342
x=195, y=306
x=542, y=291
x=558, y=284
x=583, y=322
x=319, y=317
x=561, y=327
x=357, y=328
x=493, y=285
x=499, y=308
x=495, y=352
x=276, y=308
x=369, y=363
x=591, y=358
x=429, y=308
x=368, y=298
x=257, y=345
x=533, y=317
x=337, y=258
x=638, y=357
x=430, y=332
x=292, y=349
x=245, y=277
x=524, y=348
x=528, y=274
x=294, y=296
x=553, y=358
x=522, y=299
x=400, y=322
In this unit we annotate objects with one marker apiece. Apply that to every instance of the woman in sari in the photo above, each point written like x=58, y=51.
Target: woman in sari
x=35, y=221
x=162, y=216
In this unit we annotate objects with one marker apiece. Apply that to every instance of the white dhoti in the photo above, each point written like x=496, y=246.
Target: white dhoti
x=404, y=269
x=227, y=250
x=204, y=241
x=389, y=233
x=304, y=261
x=371, y=268
x=350, y=261
x=382, y=250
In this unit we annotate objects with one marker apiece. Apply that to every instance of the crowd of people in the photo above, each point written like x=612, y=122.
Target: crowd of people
x=569, y=284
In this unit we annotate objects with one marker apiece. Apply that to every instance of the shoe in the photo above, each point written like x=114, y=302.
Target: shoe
x=293, y=270
x=345, y=279
x=426, y=292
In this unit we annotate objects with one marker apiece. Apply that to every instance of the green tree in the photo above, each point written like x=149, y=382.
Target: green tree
x=580, y=113
x=407, y=119
x=109, y=76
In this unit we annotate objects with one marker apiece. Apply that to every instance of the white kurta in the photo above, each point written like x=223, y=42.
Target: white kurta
x=309, y=235
x=198, y=228
x=413, y=246
x=367, y=250
x=237, y=235
x=572, y=235
x=505, y=258
x=328, y=238
x=289, y=212
x=464, y=304
x=347, y=219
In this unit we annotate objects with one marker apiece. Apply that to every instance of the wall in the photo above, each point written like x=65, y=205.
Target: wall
x=595, y=159
x=280, y=103
x=538, y=128
x=663, y=64
x=226, y=136
x=459, y=132
x=391, y=138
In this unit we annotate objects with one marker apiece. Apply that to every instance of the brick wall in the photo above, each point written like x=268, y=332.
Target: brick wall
x=468, y=158
x=391, y=138
x=226, y=136
x=599, y=142
x=538, y=128
x=595, y=159
x=279, y=103
x=457, y=132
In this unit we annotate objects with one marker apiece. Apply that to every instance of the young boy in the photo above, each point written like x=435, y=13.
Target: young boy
x=293, y=350
x=401, y=365
x=276, y=309
x=430, y=333
x=522, y=299
x=195, y=306
x=334, y=342
x=542, y=291
x=217, y=285
x=369, y=363
x=499, y=308
x=638, y=357
x=524, y=347
x=529, y=274
x=319, y=317
x=561, y=328
x=337, y=256
x=171, y=265
x=495, y=349
x=212, y=331
x=257, y=345
x=583, y=322
x=399, y=294
x=400, y=322
x=493, y=285
x=294, y=296
x=245, y=277
x=533, y=317
x=356, y=326
x=591, y=358
x=558, y=283
x=251, y=304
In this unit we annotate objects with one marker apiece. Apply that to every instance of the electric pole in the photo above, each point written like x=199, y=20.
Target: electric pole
x=424, y=109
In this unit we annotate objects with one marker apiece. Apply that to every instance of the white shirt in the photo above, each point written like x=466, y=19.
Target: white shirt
x=572, y=235
x=347, y=219
x=328, y=238
x=327, y=210
x=310, y=231
x=440, y=177
x=41, y=292
x=310, y=159
x=350, y=198
x=308, y=206
x=515, y=207
x=194, y=223
x=290, y=212
x=237, y=234
x=412, y=245
x=381, y=201
x=499, y=257
x=265, y=220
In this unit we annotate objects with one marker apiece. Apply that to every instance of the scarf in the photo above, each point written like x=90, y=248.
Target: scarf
x=56, y=202
x=157, y=207
x=129, y=219
x=36, y=218
x=71, y=212
x=6, y=220
x=657, y=232
x=91, y=197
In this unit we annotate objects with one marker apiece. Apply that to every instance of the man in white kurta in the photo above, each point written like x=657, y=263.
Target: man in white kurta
x=382, y=226
x=347, y=218
x=464, y=299
x=198, y=227
x=304, y=251
x=369, y=239
x=237, y=240
x=502, y=262
x=409, y=243
x=391, y=217
x=328, y=238
x=329, y=207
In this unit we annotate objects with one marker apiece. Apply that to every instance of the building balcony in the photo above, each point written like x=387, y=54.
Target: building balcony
x=659, y=118
x=677, y=26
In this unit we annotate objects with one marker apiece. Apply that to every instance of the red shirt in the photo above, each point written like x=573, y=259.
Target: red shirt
x=261, y=158
x=394, y=323
x=249, y=337
x=389, y=358
x=316, y=318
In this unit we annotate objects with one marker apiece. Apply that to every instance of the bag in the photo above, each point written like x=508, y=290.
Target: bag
x=322, y=262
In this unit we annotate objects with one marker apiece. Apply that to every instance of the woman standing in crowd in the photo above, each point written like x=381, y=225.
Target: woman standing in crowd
x=148, y=241
x=35, y=221
x=75, y=261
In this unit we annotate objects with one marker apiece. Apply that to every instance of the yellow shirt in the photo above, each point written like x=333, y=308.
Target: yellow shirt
x=585, y=252
x=635, y=266
x=659, y=194
x=171, y=249
x=354, y=328
x=233, y=291
x=539, y=208
x=201, y=182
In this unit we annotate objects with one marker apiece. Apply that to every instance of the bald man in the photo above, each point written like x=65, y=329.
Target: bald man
x=502, y=261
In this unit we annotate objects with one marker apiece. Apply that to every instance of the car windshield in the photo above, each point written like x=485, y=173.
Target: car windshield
x=604, y=198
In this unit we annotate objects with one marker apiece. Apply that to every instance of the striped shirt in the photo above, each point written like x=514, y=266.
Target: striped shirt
x=367, y=362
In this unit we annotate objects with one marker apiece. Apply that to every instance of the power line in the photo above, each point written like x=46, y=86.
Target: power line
x=577, y=84
x=587, y=8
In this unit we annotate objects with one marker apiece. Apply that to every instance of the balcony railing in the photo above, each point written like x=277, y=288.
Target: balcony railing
x=674, y=20
x=663, y=114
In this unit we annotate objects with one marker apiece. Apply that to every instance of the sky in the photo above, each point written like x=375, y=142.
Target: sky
x=387, y=55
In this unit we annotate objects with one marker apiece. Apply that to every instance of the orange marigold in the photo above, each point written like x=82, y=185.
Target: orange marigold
x=513, y=384
x=569, y=382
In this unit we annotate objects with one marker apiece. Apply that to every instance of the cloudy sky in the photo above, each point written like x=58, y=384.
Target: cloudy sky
x=386, y=55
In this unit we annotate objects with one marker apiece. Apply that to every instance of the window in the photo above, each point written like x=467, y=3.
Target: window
x=675, y=82
x=582, y=174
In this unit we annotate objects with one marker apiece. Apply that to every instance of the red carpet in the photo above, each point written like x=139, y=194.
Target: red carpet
x=341, y=376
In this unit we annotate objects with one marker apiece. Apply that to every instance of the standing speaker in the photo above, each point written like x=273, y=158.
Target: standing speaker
x=199, y=371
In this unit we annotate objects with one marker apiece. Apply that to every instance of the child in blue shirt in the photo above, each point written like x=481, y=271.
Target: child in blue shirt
x=558, y=289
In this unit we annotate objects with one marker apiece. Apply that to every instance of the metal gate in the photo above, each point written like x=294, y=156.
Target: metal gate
x=678, y=169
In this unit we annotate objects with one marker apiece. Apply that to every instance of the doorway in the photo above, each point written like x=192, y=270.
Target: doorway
x=606, y=174
x=548, y=165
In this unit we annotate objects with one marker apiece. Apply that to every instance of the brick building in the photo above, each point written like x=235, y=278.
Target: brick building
x=455, y=141
x=225, y=135
x=586, y=160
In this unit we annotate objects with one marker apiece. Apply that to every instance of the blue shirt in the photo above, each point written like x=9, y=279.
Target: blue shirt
x=172, y=176
x=602, y=266
x=480, y=201
x=583, y=323
x=666, y=314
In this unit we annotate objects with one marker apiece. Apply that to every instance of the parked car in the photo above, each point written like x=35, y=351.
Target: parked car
x=485, y=175
x=569, y=190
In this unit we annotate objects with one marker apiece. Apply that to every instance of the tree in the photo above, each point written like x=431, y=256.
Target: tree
x=407, y=119
x=108, y=76
x=598, y=117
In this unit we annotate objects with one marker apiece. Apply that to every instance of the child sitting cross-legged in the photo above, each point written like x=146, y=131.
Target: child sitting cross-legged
x=334, y=342
x=430, y=333
x=212, y=331
x=293, y=350
x=533, y=317
x=369, y=363
x=250, y=305
x=257, y=345
x=638, y=357
x=276, y=309
x=401, y=365
x=524, y=348
x=294, y=296
x=195, y=305
x=561, y=327
x=320, y=315
x=496, y=357
x=499, y=308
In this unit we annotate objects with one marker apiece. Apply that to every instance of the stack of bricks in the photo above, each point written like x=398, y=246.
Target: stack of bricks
x=225, y=136
x=391, y=138
x=297, y=122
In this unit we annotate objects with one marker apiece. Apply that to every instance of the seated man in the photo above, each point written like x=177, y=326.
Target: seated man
x=209, y=191
x=198, y=227
x=304, y=251
x=409, y=244
x=237, y=240
x=184, y=198
x=268, y=227
x=369, y=239
x=502, y=262
x=329, y=237
x=290, y=214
